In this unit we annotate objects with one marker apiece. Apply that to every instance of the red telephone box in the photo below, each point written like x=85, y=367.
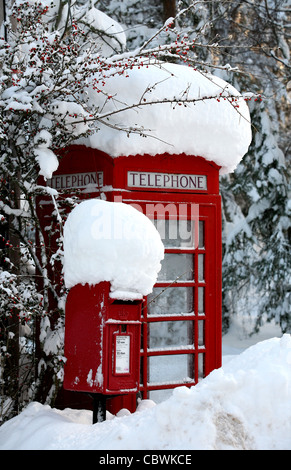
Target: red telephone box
x=181, y=319
x=181, y=341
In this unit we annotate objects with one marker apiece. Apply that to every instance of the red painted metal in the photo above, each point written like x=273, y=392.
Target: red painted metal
x=102, y=342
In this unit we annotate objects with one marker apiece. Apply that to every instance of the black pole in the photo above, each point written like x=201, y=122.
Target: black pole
x=99, y=407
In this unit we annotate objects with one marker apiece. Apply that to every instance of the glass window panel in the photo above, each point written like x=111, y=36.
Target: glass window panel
x=201, y=300
x=201, y=234
x=170, y=300
x=200, y=366
x=200, y=267
x=175, y=233
x=201, y=333
x=170, y=334
x=177, y=266
x=170, y=368
x=160, y=395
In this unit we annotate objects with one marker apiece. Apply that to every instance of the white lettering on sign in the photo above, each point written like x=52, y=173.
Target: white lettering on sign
x=76, y=180
x=122, y=354
x=137, y=179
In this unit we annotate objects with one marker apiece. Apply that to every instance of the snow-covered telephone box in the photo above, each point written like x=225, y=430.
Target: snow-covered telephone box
x=180, y=321
x=172, y=177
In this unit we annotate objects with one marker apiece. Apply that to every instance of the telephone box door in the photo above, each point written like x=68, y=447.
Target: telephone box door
x=182, y=321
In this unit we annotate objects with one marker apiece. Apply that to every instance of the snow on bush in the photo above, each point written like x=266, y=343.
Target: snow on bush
x=45, y=157
x=106, y=241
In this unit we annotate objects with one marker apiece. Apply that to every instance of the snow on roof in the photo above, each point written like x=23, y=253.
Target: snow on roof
x=106, y=241
x=211, y=124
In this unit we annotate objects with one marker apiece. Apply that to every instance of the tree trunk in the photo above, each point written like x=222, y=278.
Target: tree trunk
x=169, y=9
x=11, y=371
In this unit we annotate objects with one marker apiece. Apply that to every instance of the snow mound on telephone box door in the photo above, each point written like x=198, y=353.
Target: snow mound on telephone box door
x=112, y=241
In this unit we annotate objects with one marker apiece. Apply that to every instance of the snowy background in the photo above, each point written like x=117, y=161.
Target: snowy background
x=245, y=405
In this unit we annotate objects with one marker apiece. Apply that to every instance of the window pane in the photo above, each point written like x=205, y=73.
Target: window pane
x=175, y=233
x=201, y=333
x=170, y=300
x=201, y=300
x=200, y=268
x=171, y=368
x=160, y=395
x=177, y=266
x=201, y=234
x=200, y=366
x=170, y=333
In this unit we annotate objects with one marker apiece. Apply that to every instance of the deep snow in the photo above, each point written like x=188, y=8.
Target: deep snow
x=246, y=404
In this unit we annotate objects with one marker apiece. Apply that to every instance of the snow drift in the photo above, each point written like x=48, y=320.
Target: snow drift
x=244, y=405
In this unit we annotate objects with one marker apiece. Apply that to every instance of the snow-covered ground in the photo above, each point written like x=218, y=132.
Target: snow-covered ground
x=244, y=405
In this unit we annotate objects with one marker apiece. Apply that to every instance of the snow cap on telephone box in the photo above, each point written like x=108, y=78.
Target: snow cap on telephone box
x=211, y=120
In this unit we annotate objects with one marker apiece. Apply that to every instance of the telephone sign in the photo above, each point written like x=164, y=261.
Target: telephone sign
x=166, y=181
x=77, y=180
